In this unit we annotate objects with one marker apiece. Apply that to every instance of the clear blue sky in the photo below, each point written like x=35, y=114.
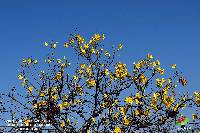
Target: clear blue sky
x=170, y=30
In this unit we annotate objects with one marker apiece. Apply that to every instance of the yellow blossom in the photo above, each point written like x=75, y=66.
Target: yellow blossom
x=103, y=37
x=197, y=96
x=62, y=124
x=82, y=66
x=66, y=45
x=122, y=110
x=194, y=116
x=168, y=101
x=59, y=61
x=75, y=77
x=27, y=121
x=107, y=54
x=158, y=62
x=106, y=72
x=126, y=121
x=30, y=88
x=29, y=60
x=137, y=112
x=149, y=56
x=176, y=107
x=92, y=51
x=160, y=82
x=20, y=77
x=120, y=46
x=121, y=71
x=46, y=44
x=91, y=82
x=58, y=76
x=161, y=71
x=86, y=46
x=142, y=79
x=35, y=61
x=129, y=100
x=173, y=66
x=96, y=37
x=117, y=129
x=54, y=97
x=92, y=120
x=80, y=39
x=49, y=61
x=53, y=45
x=138, y=95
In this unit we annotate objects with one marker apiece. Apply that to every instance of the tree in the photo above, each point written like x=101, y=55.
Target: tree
x=98, y=93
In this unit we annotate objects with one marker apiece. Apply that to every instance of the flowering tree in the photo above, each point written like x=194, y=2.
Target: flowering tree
x=99, y=94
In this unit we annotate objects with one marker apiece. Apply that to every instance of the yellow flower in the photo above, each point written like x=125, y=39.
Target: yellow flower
x=107, y=54
x=96, y=37
x=59, y=61
x=75, y=77
x=62, y=124
x=35, y=62
x=138, y=95
x=54, y=97
x=126, y=121
x=194, y=116
x=142, y=79
x=80, y=39
x=20, y=77
x=27, y=121
x=46, y=44
x=58, y=76
x=24, y=82
x=129, y=100
x=82, y=66
x=49, y=61
x=92, y=51
x=168, y=101
x=137, y=112
x=158, y=62
x=66, y=45
x=116, y=116
x=173, y=66
x=106, y=72
x=40, y=94
x=53, y=45
x=103, y=37
x=120, y=46
x=154, y=103
x=183, y=81
x=147, y=112
x=30, y=88
x=60, y=106
x=24, y=61
x=161, y=71
x=176, y=107
x=122, y=110
x=138, y=65
x=149, y=56
x=154, y=64
x=121, y=71
x=82, y=50
x=197, y=95
x=86, y=46
x=117, y=129
x=160, y=82
x=29, y=60
x=91, y=82
x=92, y=120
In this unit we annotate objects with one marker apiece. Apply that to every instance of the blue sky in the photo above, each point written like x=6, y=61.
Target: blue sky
x=170, y=30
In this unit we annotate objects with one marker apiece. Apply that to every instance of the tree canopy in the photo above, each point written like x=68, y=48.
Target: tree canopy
x=97, y=93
